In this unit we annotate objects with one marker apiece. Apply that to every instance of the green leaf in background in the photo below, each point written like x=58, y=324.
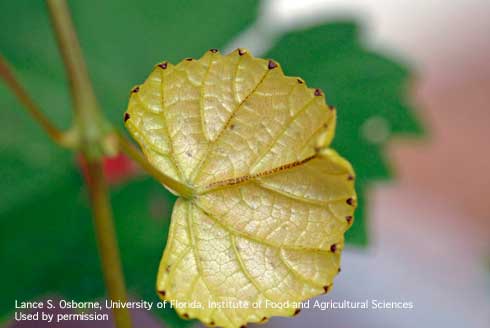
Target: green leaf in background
x=369, y=91
x=121, y=40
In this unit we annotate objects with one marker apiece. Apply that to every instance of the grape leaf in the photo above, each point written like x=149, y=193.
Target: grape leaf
x=271, y=201
x=364, y=86
x=33, y=170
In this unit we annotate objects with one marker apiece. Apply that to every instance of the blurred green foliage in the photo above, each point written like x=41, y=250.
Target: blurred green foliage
x=46, y=234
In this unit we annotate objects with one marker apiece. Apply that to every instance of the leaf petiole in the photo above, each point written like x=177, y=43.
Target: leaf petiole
x=131, y=151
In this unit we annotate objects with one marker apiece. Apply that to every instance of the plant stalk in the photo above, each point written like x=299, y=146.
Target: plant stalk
x=94, y=132
x=92, y=124
x=106, y=240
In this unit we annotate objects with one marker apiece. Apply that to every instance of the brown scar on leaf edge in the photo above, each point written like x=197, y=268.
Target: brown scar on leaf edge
x=296, y=312
x=349, y=218
x=326, y=288
x=126, y=116
x=135, y=89
x=271, y=64
x=265, y=65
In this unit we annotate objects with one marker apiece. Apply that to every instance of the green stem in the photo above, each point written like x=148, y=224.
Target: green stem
x=12, y=82
x=92, y=124
x=94, y=133
x=131, y=151
x=106, y=240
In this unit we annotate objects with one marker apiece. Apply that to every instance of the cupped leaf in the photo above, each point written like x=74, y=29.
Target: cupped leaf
x=271, y=201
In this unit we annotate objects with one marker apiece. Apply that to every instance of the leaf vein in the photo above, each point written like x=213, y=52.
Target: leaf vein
x=280, y=134
x=213, y=143
x=244, y=268
x=255, y=239
x=296, y=274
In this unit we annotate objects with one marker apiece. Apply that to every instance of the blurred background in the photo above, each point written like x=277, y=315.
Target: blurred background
x=430, y=228
x=411, y=80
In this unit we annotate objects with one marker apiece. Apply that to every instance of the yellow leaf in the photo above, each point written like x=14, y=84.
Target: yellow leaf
x=264, y=227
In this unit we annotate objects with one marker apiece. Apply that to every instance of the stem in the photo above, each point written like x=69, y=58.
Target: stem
x=130, y=150
x=93, y=133
x=92, y=124
x=8, y=76
x=106, y=241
